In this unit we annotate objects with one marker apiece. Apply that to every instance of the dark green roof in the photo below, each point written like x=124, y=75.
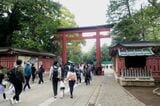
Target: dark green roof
x=135, y=52
x=137, y=44
x=106, y=62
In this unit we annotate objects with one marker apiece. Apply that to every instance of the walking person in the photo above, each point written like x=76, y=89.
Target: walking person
x=33, y=72
x=78, y=73
x=72, y=78
x=27, y=75
x=55, y=75
x=2, y=87
x=15, y=76
x=40, y=74
x=62, y=88
x=87, y=75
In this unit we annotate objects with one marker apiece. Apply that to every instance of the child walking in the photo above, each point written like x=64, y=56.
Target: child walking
x=62, y=88
x=2, y=87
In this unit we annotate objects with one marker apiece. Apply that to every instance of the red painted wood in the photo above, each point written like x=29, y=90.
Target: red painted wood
x=153, y=63
x=98, y=50
x=47, y=63
x=81, y=37
x=64, y=48
x=7, y=62
x=64, y=39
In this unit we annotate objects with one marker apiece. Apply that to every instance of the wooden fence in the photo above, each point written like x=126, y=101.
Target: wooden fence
x=136, y=73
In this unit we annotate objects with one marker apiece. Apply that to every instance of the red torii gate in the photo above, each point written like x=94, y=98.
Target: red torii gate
x=80, y=30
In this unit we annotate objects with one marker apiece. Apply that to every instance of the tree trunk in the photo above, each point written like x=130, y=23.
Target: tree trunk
x=128, y=8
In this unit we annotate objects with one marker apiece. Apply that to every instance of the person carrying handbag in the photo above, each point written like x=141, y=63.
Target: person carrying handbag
x=72, y=78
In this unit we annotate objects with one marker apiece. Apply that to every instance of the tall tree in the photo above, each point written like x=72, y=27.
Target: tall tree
x=117, y=9
x=142, y=24
x=26, y=23
x=105, y=53
x=10, y=17
x=37, y=29
x=121, y=12
x=30, y=23
x=90, y=57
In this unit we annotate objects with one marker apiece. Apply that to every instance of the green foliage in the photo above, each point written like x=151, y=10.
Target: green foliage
x=74, y=52
x=126, y=31
x=90, y=57
x=105, y=53
x=66, y=18
x=142, y=24
x=29, y=24
x=42, y=22
x=118, y=9
x=10, y=16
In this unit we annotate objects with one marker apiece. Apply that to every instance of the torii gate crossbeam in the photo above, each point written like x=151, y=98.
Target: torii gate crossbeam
x=80, y=30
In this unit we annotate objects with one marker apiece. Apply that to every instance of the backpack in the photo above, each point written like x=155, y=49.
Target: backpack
x=88, y=74
x=55, y=72
x=28, y=71
x=15, y=76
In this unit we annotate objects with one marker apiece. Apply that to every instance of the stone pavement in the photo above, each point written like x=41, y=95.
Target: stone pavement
x=103, y=91
x=112, y=94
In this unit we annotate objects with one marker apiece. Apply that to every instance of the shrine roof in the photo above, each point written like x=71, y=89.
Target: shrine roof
x=24, y=52
x=137, y=44
x=135, y=52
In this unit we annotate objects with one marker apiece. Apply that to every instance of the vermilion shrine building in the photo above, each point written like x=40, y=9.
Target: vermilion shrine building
x=8, y=57
x=136, y=63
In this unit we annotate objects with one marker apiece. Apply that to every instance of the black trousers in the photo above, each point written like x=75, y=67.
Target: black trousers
x=40, y=78
x=55, y=85
x=71, y=86
x=27, y=78
x=79, y=79
x=18, y=89
x=33, y=77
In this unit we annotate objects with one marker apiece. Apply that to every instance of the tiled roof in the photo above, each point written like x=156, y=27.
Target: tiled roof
x=135, y=52
x=25, y=52
x=138, y=44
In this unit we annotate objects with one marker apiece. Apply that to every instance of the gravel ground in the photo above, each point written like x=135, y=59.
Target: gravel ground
x=145, y=95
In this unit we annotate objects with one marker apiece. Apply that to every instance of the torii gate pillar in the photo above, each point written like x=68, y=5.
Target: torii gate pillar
x=79, y=30
x=64, y=50
x=98, y=50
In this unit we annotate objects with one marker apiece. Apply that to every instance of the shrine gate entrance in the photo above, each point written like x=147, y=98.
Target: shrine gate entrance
x=98, y=30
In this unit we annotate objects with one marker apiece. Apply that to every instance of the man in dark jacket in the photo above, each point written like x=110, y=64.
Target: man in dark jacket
x=33, y=72
x=40, y=74
x=16, y=78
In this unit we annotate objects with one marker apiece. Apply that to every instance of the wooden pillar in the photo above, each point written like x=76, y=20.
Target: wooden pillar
x=64, y=50
x=98, y=49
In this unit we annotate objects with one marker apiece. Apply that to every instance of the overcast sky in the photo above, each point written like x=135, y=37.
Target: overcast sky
x=88, y=13
x=91, y=13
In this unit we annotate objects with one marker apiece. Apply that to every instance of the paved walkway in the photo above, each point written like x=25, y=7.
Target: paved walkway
x=112, y=94
x=103, y=91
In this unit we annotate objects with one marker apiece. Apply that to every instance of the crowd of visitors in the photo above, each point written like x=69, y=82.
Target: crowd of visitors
x=19, y=77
